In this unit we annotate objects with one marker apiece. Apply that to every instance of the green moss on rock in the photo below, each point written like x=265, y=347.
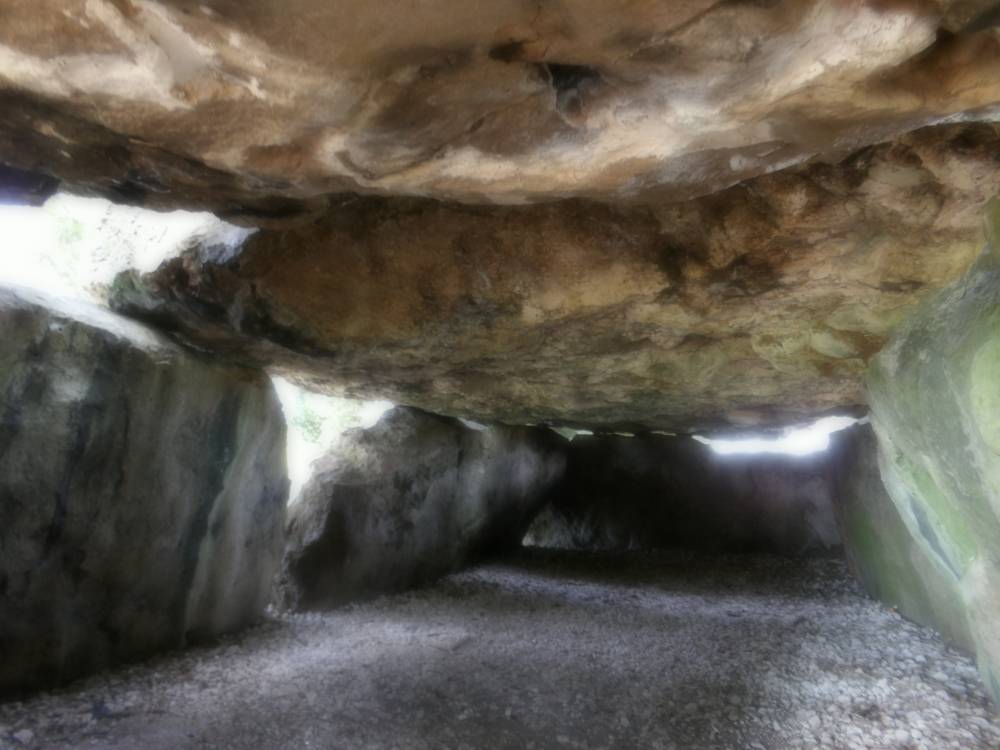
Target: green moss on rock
x=985, y=394
x=934, y=392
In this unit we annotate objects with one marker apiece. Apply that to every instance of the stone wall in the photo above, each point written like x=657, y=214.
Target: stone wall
x=657, y=492
x=410, y=499
x=935, y=400
x=142, y=492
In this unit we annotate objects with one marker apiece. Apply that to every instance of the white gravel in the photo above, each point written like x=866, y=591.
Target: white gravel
x=551, y=650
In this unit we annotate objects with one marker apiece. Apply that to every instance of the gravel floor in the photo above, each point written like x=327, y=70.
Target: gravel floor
x=551, y=650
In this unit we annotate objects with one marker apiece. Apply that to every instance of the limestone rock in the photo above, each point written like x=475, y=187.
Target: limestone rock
x=261, y=109
x=657, y=492
x=759, y=304
x=884, y=555
x=935, y=399
x=411, y=499
x=142, y=491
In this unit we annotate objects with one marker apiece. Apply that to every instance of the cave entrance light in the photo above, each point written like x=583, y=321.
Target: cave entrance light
x=315, y=424
x=794, y=441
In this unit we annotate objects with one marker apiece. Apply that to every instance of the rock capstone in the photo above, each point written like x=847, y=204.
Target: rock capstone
x=761, y=304
x=270, y=110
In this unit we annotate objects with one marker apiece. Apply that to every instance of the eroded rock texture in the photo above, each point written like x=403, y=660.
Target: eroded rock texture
x=409, y=500
x=258, y=110
x=761, y=303
x=935, y=398
x=656, y=492
x=142, y=492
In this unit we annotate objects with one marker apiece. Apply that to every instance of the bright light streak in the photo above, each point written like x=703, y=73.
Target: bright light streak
x=74, y=247
x=315, y=424
x=29, y=242
x=800, y=441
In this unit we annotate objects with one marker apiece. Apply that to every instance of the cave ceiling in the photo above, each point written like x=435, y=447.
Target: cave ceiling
x=666, y=215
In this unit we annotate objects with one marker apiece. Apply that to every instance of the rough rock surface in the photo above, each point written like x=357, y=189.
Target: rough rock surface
x=762, y=303
x=935, y=398
x=665, y=652
x=884, y=555
x=655, y=492
x=142, y=491
x=409, y=500
x=261, y=109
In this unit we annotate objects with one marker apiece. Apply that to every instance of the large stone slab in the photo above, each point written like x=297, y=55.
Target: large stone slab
x=657, y=492
x=18, y=187
x=261, y=109
x=142, y=491
x=411, y=499
x=760, y=304
x=935, y=399
x=884, y=555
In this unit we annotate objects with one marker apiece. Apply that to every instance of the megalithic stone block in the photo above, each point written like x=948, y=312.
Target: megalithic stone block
x=142, y=491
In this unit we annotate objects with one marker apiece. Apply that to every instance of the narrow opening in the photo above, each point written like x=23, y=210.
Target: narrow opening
x=74, y=247
x=316, y=422
x=791, y=441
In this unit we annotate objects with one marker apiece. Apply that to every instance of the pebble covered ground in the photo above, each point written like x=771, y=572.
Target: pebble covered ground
x=550, y=650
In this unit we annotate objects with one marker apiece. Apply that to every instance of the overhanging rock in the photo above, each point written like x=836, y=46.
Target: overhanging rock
x=142, y=492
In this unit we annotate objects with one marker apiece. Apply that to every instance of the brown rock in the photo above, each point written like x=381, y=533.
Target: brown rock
x=761, y=303
x=259, y=110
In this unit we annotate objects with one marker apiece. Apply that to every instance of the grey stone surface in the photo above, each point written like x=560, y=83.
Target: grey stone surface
x=658, y=492
x=410, y=499
x=883, y=554
x=142, y=491
x=935, y=398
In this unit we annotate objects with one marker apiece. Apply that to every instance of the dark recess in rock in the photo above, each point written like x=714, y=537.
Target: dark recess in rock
x=657, y=492
x=884, y=555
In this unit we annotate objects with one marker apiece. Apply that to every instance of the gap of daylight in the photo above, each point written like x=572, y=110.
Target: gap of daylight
x=795, y=441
